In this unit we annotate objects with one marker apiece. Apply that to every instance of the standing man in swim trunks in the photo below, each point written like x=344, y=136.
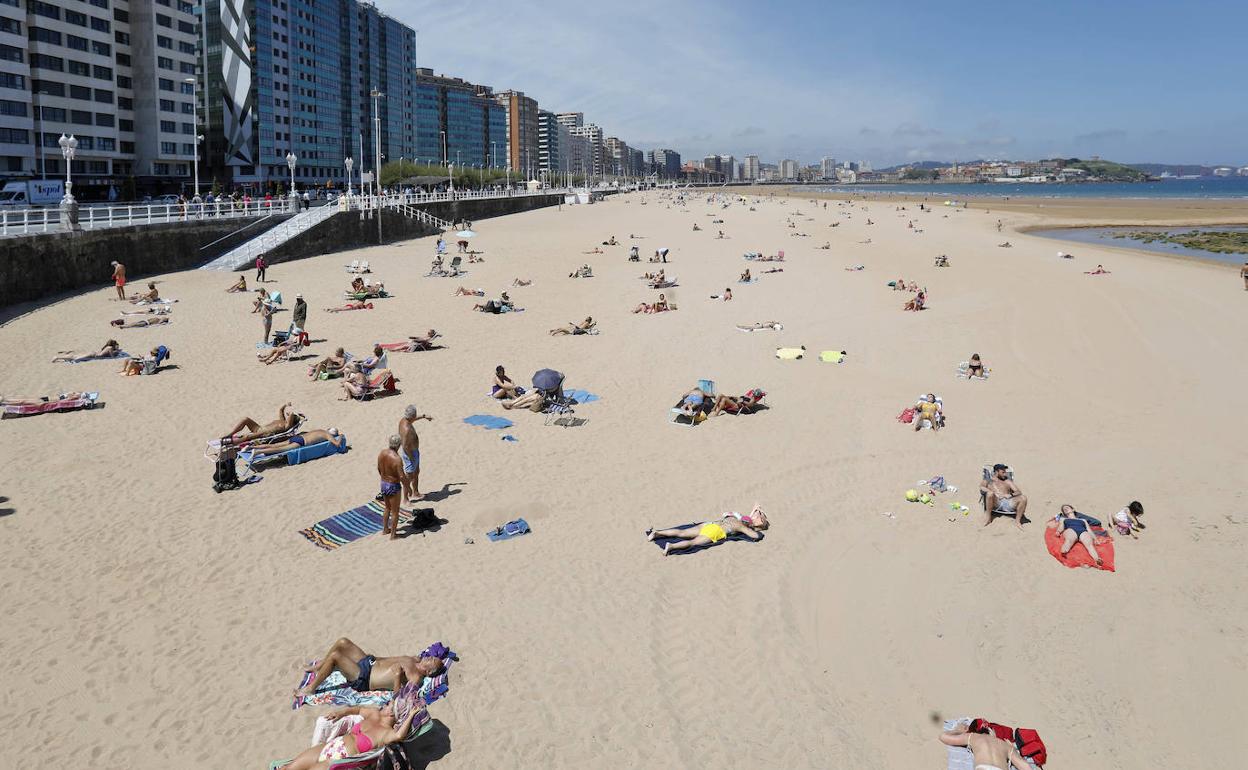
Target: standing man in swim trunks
x=1004, y=496
x=390, y=468
x=366, y=672
x=119, y=279
x=410, y=452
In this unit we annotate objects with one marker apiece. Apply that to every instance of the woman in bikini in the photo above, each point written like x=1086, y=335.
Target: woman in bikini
x=584, y=327
x=123, y=324
x=713, y=532
x=975, y=367
x=147, y=365
x=239, y=285
x=503, y=387
x=463, y=292
x=110, y=350
x=930, y=410
x=1076, y=527
x=377, y=728
x=740, y=405
x=988, y=751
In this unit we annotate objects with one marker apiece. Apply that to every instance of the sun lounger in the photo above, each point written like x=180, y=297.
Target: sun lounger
x=294, y=456
x=214, y=446
x=87, y=401
x=379, y=382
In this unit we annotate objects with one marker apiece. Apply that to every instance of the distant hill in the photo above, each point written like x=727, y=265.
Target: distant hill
x=1108, y=170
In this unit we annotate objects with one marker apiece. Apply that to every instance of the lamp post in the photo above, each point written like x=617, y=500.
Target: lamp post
x=292, y=161
x=445, y=157
x=349, y=163
x=377, y=95
x=493, y=155
x=69, y=147
x=198, y=136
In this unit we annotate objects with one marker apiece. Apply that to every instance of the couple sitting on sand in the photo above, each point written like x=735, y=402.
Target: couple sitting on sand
x=377, y=727
x=711, y=533
x=661, y=305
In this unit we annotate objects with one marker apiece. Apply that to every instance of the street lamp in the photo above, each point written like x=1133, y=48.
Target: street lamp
x=349, y=164
x=292, y=161
x=198, y=136
x=445, y=157
x=377, y=95
x=69, y=147
x=493, y=154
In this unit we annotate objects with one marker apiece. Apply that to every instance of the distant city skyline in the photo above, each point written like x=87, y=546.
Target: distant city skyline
x=895, y=82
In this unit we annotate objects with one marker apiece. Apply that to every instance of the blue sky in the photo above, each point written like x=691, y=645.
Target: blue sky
x=886, y=82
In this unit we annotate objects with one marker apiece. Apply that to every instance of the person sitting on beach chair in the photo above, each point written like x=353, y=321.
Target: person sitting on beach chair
x=502, y=305
x=111, y=349
x=746, y=404
x=306, y=438
x=1001, y=496
x=375, y=729
x=357, y=284
x=331, y=365
x=462, y=292
x=713, y=532
x=365, y=673
x=584, y=271
x=360, y=386
x=988, y=752
x=584, y=327
x=414, y=344
x=159, y=320
x=148, y=365
x=239, y=285
x=1076, y=527
x=378, y=360
x=928, y=409
x=286, y=420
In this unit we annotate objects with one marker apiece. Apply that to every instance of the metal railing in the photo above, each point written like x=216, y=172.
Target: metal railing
x=271, y=239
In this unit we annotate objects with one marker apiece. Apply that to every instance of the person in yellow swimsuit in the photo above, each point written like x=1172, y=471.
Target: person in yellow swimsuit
x=713, y=532
x=929, y=410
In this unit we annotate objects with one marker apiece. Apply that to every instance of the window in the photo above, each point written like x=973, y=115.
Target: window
x=79, y=68
x=45, y=87
x=165, y=84
x=185, y=7
x=187, y=27
x=103, y=49
x=101, y=25
x=100, y=4
x=73, y=17
x=127, y=147
x=188, y=108
x=49, y=140
x=14, y=136
x=187, y=68
x=103, y=96
x=123, y=60
x=121, y=38
x=187, y=128
x=12, y=26
x=125, y=103
x=120, y=15
x=164, y=20
x=164, y=42
x=103, y=73
x=80, y=118
x=45, y=35
x=11, y=53
x=187, y=88
x=43, y=61
x=164, y=62
x=12, y=109
x=125, y=125
x=86, y=142
x=80, y=92
x=124, y=82
x=166, y=105
x=160, y=169
x=45, y=9
x=77, y=43
x=168, y=148
x=169, y=126
x=106, y=143
x=188, y=148
x=104, y=119
x=56, y=114
x=186, y=47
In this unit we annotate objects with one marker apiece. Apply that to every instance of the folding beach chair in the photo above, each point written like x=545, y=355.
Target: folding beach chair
x=354, y=267
x=294, y=456
x=213, y=450
x=692, y=414
x=454, y=271
x=380, y=382
x=983, y=495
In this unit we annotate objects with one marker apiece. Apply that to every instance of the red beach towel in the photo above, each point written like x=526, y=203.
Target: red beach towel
x=907, y=415
x=1079, y=556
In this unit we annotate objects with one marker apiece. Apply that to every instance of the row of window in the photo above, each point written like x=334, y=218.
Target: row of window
x=40, y=8
x=86, y=142
x=78, y=117
x=52, y=37
x=171, y=127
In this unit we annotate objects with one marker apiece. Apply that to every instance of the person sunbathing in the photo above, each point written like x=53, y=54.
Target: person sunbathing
x=37, y=400
x=503, y=387
x=1077, y=527
x=534, y=400
x=1006, y=245
x=329, y=365
x=826, y=245
x=594, y=250
x=856, y=268
x=762, y=325
x=473, y=257
x=365, y=673
x=746, y=404
x=928, y=409
x=1100, y=270
x=1002, y=495
x=111, y=349
x=286, y=420
x=942, y=261
x=239, y=285
x=584, y=327
x=413, y=344
x=713, y=532
x=376, y=728
x=159, y=320
x=277, y=352
x=660, y=305
x=584, y=271
x=378, y=360
x=462, y=292
x=501, y=305
x=306, y=438
x=151, y=310
x=695, y=227
x=147, y=365
x=899, y=284
x=522, y=282
x=151, y=295
x=659, y=276
x=611, y=242
x=988, y=752
x=975, y=368
x=916, y=302
x=774, y=270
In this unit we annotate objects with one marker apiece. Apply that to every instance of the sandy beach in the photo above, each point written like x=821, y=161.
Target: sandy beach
x=158, y=624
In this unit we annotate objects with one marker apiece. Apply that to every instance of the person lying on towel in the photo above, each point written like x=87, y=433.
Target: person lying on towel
x=110, y=350
x=1077, y=527
x=306, y=438
x=987, y=750
x=366, y=672
x=713, y=532
x=37, y=400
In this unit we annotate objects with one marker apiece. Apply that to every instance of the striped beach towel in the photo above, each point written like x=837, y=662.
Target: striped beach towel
x=349, y=526
x=334, y=691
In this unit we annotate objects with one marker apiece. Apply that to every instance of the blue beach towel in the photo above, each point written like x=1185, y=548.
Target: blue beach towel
x=509, y=530
x=118, y=355
x=663, y=541
x=580, y=396
x=489, y=422
x=347, y=527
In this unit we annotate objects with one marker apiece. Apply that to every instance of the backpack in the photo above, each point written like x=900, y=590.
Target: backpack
x=226, y=475
x=1030, y=746
x=1001, y=731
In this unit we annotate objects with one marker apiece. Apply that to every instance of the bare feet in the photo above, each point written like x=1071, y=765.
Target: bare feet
x=650, y=534
x=665, y=551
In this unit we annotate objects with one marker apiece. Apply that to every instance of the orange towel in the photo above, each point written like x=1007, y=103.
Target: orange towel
x=1079, y=556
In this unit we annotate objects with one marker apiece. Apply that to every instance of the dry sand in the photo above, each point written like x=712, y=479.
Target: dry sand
x=152, y=623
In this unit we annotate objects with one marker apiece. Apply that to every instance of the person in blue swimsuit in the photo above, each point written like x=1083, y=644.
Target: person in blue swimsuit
x=390, y=468
x=1077, y=527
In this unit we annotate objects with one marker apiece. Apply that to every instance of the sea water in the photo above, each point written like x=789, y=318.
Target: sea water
x=1105, y=236
x=1206, y=187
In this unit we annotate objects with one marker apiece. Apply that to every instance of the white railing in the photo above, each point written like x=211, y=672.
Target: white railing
x=271, y=239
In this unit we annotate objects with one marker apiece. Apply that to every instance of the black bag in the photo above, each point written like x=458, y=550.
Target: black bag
x=226, y=475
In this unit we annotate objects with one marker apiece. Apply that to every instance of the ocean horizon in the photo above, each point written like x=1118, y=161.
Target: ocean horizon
x=1234, y=187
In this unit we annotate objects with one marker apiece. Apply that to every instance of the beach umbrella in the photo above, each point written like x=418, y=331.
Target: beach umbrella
x=465, y=234
x=548, y=380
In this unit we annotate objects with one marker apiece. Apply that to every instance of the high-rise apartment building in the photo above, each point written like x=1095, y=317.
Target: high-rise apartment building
x=553, y=145
x=666, y=163
x=459, y=122
x=750, y=169
x=111, y=73
x=728, y=166
x=298, y=77
x=570, y=119
x=522, y=131
x=638, y=165
x=788, y=169
x=619, y=157
x=827, y=168
x=595, y=161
